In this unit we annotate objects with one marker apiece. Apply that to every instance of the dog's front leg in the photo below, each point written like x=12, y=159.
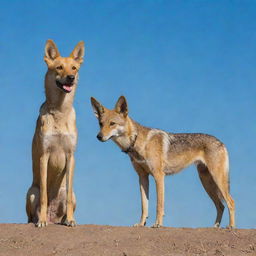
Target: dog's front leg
x=144, y=184
x=70, y=221
x=42, y=220
x=159, y=179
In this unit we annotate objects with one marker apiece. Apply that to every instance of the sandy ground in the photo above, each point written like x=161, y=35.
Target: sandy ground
x=25, y=240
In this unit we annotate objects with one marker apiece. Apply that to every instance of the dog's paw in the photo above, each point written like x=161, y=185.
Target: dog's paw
x=230, y=227
x=41, y=224
x=156, y=225
x=70, y=223
x=139, y=224
x=216, y=225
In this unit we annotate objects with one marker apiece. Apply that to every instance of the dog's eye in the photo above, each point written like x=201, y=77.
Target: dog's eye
x=112, y=123
x=101, y=124
x=74, y=68
x=59, y=67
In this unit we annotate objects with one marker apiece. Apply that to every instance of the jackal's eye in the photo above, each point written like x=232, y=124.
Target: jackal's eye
x=112, y=123
x=74, y=68
x=59, y=67
x=101, y=124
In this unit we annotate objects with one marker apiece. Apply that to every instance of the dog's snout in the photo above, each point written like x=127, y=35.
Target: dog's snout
x=70, y=78
x=99, y=137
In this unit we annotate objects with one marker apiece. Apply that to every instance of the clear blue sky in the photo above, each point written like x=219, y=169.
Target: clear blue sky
x=184, y=66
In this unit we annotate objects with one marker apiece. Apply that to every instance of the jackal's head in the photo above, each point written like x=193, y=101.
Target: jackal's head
x=113, y=123
x=63, y=70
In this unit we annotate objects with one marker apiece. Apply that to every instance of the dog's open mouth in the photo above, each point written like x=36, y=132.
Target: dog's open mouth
x=65, y=87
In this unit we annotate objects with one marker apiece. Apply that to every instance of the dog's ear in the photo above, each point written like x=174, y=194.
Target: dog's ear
x=122, y=106
x=51, y=52
x=78, y=52
x=98, y=109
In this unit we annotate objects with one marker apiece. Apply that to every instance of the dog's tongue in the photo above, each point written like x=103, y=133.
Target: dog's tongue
x=67, y=88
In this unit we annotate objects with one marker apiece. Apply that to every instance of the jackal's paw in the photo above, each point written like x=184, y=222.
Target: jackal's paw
x=139, y=224
x=156, y=225
x=41, y=224
x=216, y=225
x=229, y=227
x=71, y=223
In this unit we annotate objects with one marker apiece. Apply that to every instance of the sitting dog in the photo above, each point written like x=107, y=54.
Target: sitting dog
x=50, y=197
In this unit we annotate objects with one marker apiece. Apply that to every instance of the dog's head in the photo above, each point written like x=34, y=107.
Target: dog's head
x=112, y=122
x=64, y=69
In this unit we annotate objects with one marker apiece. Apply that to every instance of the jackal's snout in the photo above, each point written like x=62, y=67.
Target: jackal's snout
x=99, y=136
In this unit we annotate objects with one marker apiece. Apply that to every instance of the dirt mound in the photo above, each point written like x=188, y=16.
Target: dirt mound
x=26, y=240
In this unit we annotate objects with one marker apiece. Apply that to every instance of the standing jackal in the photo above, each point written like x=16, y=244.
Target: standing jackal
x=159, y=153
x=50, y=197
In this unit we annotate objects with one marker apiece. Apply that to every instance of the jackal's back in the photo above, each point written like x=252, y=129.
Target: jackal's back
x=188, y=148
x=197, y=141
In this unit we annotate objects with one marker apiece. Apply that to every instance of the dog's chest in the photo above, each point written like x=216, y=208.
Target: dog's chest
x=57, y=140
x=58, y=133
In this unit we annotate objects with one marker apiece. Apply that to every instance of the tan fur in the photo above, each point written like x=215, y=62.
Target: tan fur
x=50, y=197
x=158, y=153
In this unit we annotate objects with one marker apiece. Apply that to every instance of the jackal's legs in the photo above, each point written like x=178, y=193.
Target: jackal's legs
x=159, y=179
x=144, y=183
x=219, y=174
x=212, y=190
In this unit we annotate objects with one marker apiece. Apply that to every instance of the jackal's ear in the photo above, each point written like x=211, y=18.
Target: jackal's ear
x=122, y=106
x=51, y=52
x=78, y=52
x=98, y=109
